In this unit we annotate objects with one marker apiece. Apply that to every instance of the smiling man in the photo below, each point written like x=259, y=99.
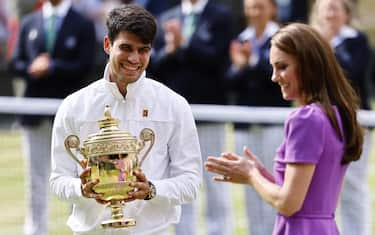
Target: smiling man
x=171, y=174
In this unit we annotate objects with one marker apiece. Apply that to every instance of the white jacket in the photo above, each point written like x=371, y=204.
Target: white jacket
x=174, y=164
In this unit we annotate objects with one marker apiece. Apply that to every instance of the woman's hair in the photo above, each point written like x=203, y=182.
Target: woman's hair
x=322, y=80
x=350, y=8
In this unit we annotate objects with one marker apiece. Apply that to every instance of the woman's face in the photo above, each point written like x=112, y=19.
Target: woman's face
x=259, y=12
x=332, y=14
x=285, y=73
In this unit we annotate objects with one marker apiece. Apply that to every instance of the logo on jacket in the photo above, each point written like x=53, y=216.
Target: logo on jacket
x=70, y=42
x=145, y=113
x=33, y=34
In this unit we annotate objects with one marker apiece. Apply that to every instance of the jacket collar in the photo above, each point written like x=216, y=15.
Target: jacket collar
x=60, y=10
x=188, y=8
x=249, y=33
x=132, y=89
x=346, y=32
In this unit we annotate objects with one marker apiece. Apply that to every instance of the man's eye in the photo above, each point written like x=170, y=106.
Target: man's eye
x=125, y=48
x=144, y=50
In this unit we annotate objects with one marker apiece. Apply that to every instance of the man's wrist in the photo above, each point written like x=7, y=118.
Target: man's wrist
x=152, y=192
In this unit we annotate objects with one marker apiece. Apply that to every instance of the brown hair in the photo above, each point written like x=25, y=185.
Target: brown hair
x=322, y=81
x=133, y=19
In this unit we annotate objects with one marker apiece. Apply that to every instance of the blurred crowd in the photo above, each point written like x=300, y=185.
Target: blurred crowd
x=212, y=52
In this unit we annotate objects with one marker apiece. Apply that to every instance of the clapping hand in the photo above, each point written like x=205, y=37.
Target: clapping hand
x=234, y=168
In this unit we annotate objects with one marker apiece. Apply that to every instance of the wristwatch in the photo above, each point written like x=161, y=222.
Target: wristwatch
x=152, y=192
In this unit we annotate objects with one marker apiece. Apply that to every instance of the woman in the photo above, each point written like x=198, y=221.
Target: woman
x=334, y=20
x=248, y=77
x=321, y=137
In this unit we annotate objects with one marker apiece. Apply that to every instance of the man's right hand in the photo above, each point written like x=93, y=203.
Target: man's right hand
x=87, y=185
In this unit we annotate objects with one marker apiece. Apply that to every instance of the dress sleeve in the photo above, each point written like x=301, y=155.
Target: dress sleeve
x=305, y=135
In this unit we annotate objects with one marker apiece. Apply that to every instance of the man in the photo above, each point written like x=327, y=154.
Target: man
x=190, y=56
x=53, y=55
x=174, y=162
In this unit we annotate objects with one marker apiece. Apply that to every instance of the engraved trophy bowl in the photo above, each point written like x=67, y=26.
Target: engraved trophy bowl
x=112, y=155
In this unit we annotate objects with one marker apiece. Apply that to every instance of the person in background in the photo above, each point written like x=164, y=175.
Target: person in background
x=54, y=53
x=249, y=78
x=321, y=137
x=191, y=56
x=334, y=20
x=171, y=174
x=293, y=10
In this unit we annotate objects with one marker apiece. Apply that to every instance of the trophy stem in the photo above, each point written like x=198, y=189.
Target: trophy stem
x=118, y=220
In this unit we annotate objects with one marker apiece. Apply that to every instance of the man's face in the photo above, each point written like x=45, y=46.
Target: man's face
x=128, y=57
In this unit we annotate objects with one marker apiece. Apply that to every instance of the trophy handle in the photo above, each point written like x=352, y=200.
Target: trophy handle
x=72, y=141
x=147, y=134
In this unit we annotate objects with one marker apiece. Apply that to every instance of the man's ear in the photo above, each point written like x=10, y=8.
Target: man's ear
x=106, y=44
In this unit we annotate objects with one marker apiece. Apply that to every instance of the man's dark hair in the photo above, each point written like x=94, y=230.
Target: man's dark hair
x=133, y=19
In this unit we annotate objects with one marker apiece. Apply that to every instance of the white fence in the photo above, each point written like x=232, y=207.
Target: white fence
x=214, y=113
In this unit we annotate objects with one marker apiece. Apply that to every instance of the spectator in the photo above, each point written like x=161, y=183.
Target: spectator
x=190, y=56
x=293, y=10
x=53, y=55
x=322, y=137
x=249, y=78
x=333, y=19
x=173, y=163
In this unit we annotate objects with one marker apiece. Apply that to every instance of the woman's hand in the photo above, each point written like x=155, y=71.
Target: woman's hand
x=232, y=168
x=240, y=53
x=259, y=165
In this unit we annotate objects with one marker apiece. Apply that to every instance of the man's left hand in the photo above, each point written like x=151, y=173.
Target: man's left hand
x=142, y=187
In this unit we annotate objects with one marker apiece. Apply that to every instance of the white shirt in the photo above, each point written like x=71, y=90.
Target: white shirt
x=60, y=11
x=345, y=32
x=197, y=8
x=174, y=163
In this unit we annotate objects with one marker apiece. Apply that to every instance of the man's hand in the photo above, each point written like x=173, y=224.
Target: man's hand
x=87, y=184
x=39, y=67
x=142, y=187
x=173, y=36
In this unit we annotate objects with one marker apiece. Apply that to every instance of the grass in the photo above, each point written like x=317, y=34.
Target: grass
x=12, y=194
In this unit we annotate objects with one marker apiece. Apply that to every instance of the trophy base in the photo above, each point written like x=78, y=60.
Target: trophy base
x=118, y=223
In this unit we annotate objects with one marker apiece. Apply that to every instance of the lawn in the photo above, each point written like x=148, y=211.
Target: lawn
x=12, y=194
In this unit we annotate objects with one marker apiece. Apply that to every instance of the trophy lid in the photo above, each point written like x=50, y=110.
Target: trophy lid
x=110, y=139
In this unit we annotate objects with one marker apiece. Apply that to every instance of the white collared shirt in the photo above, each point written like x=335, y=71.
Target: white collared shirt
x=60, y=11
x=174, y=163
x=249, y=34
x=344, y=33
x=197, y=8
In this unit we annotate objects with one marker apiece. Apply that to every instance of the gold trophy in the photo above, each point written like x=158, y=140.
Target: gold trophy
x=112, y=155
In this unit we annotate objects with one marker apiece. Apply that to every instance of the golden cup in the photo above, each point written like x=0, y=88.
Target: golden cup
x=112, y=155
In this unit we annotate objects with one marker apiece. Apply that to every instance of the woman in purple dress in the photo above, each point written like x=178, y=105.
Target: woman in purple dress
x=322, y=136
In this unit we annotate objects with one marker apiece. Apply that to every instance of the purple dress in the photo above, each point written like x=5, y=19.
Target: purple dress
x=310, y=138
